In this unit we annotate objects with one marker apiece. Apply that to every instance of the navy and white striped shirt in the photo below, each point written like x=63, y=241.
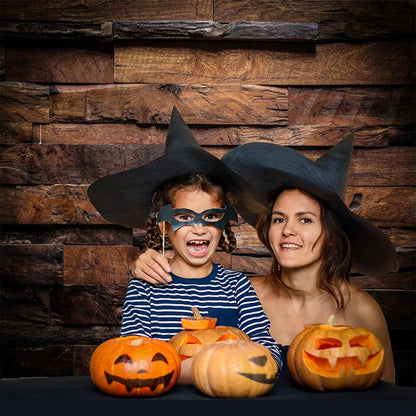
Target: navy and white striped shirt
x=155, y=311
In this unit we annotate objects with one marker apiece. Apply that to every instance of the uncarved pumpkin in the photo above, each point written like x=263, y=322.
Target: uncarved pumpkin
x=134, y=366
x=234, y=368
x=325, y=357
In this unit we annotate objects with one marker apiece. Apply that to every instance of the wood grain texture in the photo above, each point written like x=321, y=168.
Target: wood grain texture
x=353, y=106
x=54, y=31
x=209, y=30
x=64, y=64
x=15, y=132
x=104, y=11
x=280, y=64
x=99, y=265
x=152, y=104
x=24, y=102
x=211, y=135
x=337, y=19
x=31, y=264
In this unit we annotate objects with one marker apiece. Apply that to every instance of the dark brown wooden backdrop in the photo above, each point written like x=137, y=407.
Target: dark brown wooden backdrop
x=87, y=89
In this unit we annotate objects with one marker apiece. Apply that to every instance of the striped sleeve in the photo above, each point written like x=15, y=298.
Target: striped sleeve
x=253, y=320
x=136, y=310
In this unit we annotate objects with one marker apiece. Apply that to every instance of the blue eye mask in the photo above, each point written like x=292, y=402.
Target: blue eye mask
x=179, y=217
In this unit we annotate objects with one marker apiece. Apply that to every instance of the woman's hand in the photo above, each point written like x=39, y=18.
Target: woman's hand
x=152, y=267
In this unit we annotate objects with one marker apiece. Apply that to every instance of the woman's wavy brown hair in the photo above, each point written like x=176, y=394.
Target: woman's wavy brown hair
x=165, y=194
x=336, y=254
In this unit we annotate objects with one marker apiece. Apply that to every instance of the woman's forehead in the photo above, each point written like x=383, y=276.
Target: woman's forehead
x=296, y=200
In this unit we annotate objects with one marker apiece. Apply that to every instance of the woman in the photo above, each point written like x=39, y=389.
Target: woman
x=314, y=239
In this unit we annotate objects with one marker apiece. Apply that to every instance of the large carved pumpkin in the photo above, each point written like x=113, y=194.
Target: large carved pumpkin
x=325, y=357
x=190, y=341
x=134, y=366
x=234, y=368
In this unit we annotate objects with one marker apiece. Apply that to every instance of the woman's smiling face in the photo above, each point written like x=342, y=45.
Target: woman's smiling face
x=296, y=233
x=194, y=246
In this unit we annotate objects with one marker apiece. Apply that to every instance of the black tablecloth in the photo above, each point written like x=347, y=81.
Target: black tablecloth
x=59, y=395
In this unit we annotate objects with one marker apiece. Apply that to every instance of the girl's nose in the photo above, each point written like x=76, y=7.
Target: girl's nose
x=199, y=228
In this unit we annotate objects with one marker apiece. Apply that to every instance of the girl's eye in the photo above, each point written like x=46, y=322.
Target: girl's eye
x=277, y=220
x=305, y=220
x=213, y=217
x=184, y=217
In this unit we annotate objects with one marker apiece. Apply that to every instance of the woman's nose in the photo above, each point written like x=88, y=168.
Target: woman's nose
x=289, y=228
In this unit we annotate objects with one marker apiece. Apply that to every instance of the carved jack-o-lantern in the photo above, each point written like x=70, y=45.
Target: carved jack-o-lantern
x=234, y=368
x=134, y=366
x=191, y=340
x=325, y=357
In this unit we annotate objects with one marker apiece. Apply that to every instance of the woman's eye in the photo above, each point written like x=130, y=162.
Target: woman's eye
x=305, y=220
x=277, y=220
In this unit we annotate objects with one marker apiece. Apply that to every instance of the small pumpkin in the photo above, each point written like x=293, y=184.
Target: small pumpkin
x=324, y=357
x=197, y=321
x=134, y=366
x=190, y=341
x=234, y=368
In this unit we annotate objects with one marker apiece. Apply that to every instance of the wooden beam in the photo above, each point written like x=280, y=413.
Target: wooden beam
x=105, y=11
x=24, y=102
x=78, y=65
x=209, y=30
x=153, y=103
x=270, y=63
x=352, y=106
x=57, y=31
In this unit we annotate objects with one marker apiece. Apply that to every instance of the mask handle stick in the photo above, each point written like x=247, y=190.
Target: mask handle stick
x=163, y=239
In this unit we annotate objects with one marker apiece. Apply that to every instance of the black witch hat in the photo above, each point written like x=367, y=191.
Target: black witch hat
x=270, y=166
x=125, y=198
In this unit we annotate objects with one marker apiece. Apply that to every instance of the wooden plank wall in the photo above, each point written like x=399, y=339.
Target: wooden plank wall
x=87, y=89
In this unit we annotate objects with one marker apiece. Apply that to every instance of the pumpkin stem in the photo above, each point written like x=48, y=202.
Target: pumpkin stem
x=196, y=313
x=330, y=320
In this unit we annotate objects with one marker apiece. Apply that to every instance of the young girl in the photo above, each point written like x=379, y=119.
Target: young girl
x=189, y=200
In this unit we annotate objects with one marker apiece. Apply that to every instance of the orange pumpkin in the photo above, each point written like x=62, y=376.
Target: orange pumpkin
x=134, y=366
x=325, y=357
x=198, y=321
x=190, y=341
x=234, y=368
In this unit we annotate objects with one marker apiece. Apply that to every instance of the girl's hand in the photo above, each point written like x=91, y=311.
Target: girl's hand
x=151, y=267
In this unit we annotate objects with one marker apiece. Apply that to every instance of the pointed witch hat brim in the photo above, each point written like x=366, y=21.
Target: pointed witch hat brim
x=125, y=198
x=269, y=167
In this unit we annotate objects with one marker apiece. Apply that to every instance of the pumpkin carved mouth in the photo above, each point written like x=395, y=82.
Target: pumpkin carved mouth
x=131, y=383
x=260, y=378
x=320, y=365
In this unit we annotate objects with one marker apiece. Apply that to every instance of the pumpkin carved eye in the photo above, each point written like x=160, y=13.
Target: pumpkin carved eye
x=327, y=342
x=159, y=357
x=125, y=358
x=365, y=341
x=226, y=336
x=261, y=360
